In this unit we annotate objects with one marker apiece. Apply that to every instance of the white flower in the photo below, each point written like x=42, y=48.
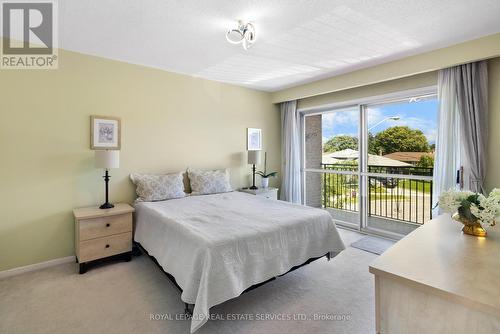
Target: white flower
x=495, y=193
x=451, y=200
x=487, y=211
x=490, y=208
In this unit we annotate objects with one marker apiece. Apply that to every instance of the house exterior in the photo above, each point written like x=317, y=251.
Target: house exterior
x=409, y=157
x=373, y=160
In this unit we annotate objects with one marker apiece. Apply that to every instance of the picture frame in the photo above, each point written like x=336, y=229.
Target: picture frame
x=105, y=133
x=254, y=139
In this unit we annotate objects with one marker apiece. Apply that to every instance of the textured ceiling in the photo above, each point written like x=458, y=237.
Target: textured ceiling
x=297, y=41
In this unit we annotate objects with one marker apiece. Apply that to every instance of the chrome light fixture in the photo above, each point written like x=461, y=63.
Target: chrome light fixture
x=244, y=34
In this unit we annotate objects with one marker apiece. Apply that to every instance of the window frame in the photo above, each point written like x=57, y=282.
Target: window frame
x=362, y=104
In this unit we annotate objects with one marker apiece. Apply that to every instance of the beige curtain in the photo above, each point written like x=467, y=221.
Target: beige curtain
x=472, y=97
x=463, y=128
x=291, y=187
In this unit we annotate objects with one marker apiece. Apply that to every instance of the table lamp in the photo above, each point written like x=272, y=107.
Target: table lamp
x=107, y=159
x=253, y=159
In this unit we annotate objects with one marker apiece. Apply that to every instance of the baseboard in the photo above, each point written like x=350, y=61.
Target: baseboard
x=36, y=266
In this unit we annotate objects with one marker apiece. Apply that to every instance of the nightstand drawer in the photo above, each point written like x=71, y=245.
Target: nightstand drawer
x=268, y=193
x=104, y=226
x=106, y=246
x=272, y=194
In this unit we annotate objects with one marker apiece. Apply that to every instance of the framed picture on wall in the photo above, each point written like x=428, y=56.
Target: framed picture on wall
x=105, y=133
x=254, y=139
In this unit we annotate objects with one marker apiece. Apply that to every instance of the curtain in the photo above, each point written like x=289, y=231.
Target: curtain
x=472, y=96
x=291, y=188
x=462, y=128
x=447, y=155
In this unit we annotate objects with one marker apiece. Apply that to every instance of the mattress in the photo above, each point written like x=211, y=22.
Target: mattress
x=216, y=246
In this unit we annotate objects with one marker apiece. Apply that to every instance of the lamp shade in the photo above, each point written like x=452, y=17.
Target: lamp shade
x=254, y=157
x=107, y=159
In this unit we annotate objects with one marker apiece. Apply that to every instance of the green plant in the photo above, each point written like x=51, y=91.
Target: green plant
x=426, y=161
x=398, y=139
x=339, y=143
x=264, y=173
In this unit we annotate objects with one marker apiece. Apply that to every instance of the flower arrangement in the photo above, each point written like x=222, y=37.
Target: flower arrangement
x=264, y=173
x=473, y=210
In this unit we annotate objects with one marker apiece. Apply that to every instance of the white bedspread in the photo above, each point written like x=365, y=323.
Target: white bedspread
x=216, y=246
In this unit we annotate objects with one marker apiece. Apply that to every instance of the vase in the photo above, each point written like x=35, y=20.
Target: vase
x=471, y=227
x=265, y=182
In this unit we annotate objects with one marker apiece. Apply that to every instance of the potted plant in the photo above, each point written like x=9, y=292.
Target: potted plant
x=474, y=210
x=265, y=175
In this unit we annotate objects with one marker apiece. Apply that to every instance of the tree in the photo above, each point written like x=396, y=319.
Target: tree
x=400, y=139
x=426, y=161
x=372, y=149
x=339, y=143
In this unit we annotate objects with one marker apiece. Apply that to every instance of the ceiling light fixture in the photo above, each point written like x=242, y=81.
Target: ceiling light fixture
x=244, y=34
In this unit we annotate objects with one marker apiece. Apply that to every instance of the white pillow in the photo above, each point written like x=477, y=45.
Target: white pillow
x=204, y=182
x=150, y=187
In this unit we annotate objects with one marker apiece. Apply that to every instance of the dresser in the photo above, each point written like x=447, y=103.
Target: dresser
x=269, y=193
x=101, y=233
x=439, y=280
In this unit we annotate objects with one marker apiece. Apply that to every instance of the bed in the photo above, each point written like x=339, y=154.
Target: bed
x=217, y=246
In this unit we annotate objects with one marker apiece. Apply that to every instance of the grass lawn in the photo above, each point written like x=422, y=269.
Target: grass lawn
x=424, y=186
x=345, y=191
x=387, y=196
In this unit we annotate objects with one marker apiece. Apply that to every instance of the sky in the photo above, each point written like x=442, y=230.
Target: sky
x=420, y=115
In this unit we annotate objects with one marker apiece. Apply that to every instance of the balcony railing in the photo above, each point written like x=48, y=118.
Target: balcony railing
x=397, y=198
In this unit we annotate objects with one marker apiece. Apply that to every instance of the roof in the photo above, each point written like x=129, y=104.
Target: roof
x=373, y=160
x=408, y=156
x=344, y=154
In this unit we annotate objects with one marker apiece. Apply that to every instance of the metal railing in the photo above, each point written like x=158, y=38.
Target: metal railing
x=396, y=198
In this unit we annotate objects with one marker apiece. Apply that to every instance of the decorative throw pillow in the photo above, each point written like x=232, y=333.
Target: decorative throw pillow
x=151, y=187
x=204, y=182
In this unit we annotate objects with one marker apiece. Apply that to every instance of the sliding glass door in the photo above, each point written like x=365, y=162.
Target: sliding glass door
x=371, y=164
x=331, y=159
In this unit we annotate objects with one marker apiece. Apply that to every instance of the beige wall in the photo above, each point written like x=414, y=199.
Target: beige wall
x=481, y=48
x=412, y=82
x=425, y=80
x=169, y=122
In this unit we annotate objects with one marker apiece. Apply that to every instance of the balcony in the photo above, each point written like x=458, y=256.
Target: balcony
x=395, y=204
x=370, y=165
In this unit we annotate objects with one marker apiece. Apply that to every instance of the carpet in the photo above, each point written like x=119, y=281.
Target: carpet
x=334, y=296
x=373, y=244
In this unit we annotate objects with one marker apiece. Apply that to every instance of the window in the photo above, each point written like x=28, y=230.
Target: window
x=371, y=164
x=332, y=162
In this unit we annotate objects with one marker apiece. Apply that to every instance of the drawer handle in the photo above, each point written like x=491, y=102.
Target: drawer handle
x=107, y=246
x=108, y=225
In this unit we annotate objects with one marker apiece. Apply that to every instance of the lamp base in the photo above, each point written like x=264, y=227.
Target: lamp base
x=253, y=187
x=106, y=206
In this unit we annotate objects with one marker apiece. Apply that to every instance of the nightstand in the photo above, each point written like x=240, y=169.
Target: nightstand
x=270, y=193
x=101, y=233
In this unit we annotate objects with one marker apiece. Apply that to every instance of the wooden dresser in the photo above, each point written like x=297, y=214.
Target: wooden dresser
x=439, y=280
x=101, y=233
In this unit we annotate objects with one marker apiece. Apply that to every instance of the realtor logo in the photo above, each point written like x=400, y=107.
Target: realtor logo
x=29, y=35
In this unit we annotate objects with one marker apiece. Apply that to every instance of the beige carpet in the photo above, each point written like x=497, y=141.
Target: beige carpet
x=120, y=297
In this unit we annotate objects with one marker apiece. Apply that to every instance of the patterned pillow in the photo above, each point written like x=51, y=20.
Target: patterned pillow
x=151, y=187
x=204, y=182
